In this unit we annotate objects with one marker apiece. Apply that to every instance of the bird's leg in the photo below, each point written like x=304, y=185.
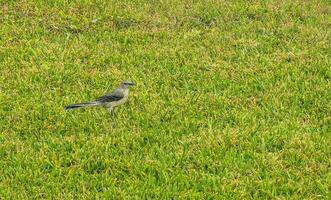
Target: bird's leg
x=110, y=109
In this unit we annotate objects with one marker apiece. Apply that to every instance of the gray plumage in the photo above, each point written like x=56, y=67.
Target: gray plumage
x=118, y=97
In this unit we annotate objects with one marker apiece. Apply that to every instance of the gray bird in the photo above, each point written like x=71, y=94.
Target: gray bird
x=110, y=100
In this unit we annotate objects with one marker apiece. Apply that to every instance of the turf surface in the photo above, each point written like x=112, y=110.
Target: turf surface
x=232, y=99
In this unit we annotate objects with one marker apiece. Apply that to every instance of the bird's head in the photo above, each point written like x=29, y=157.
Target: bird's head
x=127, y=83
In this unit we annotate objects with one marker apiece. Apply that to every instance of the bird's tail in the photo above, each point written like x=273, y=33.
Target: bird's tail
x=81, y=105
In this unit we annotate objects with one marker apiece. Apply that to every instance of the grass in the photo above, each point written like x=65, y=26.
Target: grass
x=232, y=99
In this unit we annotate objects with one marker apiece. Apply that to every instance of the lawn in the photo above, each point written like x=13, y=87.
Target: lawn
x=232, y=99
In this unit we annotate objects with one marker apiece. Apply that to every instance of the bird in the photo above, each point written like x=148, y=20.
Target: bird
x=110, y=100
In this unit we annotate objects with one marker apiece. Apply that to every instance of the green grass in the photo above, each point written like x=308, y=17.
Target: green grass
x=232, y=99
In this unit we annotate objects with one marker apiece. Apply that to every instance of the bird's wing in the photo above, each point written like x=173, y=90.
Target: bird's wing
x=114, y=96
